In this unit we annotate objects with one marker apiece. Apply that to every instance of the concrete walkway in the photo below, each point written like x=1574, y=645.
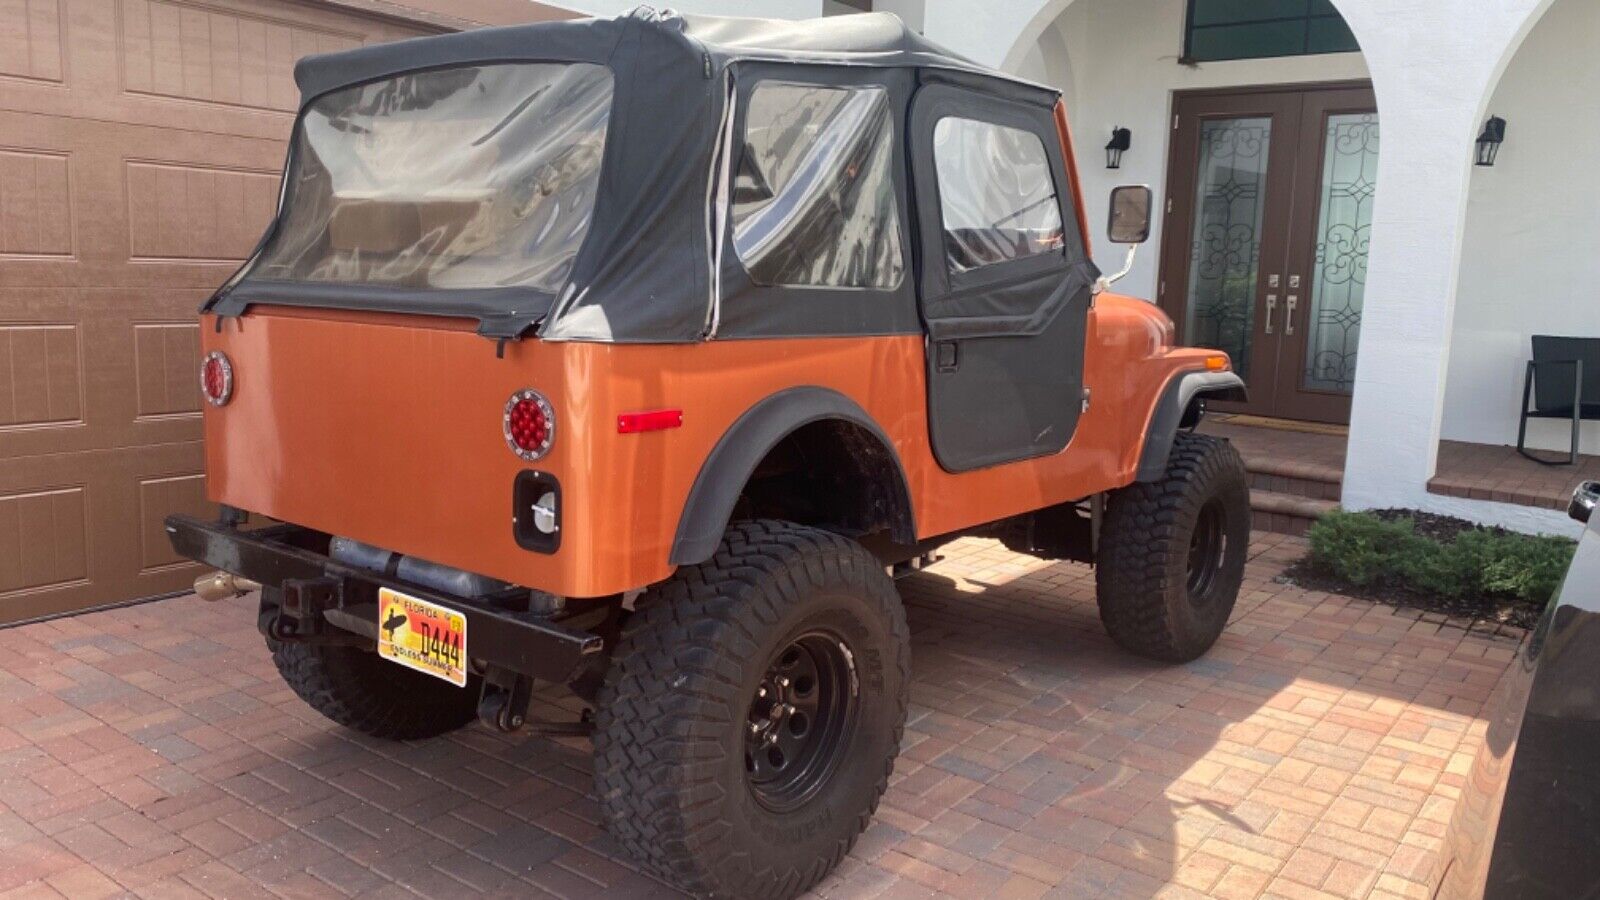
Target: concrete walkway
x=1318, y=750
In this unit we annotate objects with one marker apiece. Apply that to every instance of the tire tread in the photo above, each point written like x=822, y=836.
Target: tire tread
x=664, y=812
x=1135, y=572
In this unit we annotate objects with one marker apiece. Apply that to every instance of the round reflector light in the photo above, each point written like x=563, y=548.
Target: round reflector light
x=216, y=378
x=529, y=424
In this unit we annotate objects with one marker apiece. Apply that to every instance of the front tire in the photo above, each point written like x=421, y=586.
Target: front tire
x=1172, y=552
x=753, y=712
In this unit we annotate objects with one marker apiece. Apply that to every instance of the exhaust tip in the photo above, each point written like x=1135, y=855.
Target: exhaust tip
x=223, y=586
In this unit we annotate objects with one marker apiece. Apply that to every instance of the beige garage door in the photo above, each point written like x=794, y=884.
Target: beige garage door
x=140, y=148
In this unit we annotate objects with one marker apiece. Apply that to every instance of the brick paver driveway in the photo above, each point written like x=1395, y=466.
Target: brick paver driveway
x=1320, y=746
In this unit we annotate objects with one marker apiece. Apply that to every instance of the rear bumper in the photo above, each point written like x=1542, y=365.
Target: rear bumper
x=318, y=593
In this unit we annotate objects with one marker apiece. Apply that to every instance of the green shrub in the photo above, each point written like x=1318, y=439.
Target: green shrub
x=1449, y=570
x=1359, y=548
x=1365, y=550
x=1530, y=569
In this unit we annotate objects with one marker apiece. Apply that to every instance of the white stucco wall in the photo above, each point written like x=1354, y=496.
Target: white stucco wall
x=1116, y=63
x=1531, y=254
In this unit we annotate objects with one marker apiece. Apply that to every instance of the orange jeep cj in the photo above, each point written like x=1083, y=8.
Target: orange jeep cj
x=640, y=355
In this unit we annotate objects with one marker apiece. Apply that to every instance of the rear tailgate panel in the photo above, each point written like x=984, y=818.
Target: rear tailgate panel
x=387, y=429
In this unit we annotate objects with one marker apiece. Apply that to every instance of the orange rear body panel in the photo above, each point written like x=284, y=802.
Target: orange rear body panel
x=387, y=429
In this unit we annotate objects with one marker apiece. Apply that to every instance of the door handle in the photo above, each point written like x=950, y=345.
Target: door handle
x=1288, y=314
x=1272, y=307
x=946, y=357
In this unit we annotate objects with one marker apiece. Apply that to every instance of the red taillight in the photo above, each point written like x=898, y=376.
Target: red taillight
x=633, y=423
x=216, y=378
x=529, y=424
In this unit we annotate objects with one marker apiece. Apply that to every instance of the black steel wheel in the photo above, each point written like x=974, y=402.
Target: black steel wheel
x=800, y=720
x=1207, y=548
x=753, y=711
x=1172, y=552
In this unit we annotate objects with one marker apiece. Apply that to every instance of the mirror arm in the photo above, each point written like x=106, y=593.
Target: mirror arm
x=1104, y=282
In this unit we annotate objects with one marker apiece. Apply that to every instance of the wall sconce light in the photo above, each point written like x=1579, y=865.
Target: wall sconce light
x=1121, y=140
x=1494, y=133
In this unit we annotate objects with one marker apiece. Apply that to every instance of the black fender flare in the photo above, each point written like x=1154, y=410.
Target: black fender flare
x=1169, y=413
x=742, y=447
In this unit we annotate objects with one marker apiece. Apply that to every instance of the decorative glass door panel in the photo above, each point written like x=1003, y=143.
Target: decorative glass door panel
x=1344, y=229
x=1225, y=255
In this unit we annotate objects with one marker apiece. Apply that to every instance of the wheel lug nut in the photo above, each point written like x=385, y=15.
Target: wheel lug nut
x=783, y=681
x=761, y=692
x=772, y=738
x=755, y=728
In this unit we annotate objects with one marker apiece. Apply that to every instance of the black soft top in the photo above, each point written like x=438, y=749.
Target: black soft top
x=645, y=273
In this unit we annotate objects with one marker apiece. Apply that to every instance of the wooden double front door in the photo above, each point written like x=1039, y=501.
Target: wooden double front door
x=1264, y=249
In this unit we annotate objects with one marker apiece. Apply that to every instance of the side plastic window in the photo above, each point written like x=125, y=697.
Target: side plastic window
x=813, y=199
x=996, y=197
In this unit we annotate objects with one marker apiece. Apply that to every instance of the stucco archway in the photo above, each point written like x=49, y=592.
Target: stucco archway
x=1527, y=266
x=1434, y=68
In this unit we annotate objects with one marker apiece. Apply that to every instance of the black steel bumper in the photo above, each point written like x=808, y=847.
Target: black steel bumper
x=317, y=591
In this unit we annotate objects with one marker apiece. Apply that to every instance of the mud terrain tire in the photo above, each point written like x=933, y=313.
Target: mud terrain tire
x=359, y=690
x=1172, y=552
x=679, y=785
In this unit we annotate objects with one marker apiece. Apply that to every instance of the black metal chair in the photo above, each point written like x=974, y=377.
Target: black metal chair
x=1563, y=381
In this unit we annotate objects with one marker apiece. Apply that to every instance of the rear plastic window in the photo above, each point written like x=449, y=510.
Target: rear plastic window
x=996, y=196
x=814, y=200
x=460, y=178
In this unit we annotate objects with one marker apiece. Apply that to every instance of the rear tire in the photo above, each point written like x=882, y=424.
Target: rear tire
x=359, y=690
x=1172, y=552
x=753, y=712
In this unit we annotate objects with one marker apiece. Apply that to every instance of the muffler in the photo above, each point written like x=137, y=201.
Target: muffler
x=223, y=586
x=410, y=568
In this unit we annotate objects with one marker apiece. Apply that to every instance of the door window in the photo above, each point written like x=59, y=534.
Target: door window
x=997, y=200
x=813, y=200
x=1344, y=230
x=1225, y=249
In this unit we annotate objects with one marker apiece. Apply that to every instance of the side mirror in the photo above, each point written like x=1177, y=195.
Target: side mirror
x=1130, y=214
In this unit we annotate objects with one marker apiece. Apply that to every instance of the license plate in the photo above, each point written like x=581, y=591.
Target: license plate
x=423, y=636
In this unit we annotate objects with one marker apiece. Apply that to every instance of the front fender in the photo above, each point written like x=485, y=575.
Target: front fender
x=1175, y=399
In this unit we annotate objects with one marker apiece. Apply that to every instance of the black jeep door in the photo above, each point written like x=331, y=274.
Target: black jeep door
x=1004, y=280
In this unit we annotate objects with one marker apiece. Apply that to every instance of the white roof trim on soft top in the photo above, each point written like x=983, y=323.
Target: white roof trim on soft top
x=868, y=38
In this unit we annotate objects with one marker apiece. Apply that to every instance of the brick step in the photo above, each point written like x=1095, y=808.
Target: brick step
x=1295, y=478
x=1281, y=513
x=1311, y=489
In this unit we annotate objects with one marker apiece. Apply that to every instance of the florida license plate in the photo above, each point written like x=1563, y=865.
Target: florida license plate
x=423, y=636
